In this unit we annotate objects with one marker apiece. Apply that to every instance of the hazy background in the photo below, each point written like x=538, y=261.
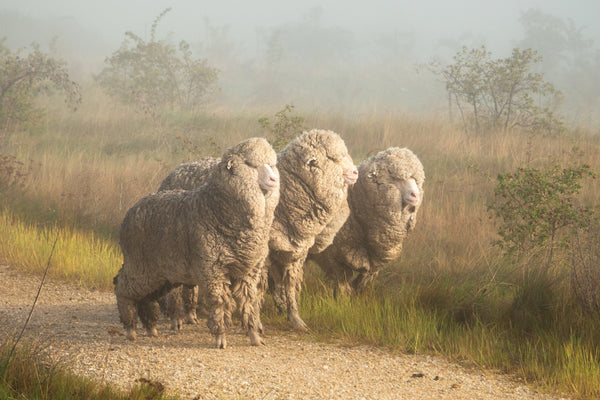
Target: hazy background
x=339, y=55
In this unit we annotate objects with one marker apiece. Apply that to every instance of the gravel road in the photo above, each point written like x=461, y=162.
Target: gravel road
x=82, y=329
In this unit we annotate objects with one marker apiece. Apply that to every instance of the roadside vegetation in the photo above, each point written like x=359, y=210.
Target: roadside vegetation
x=29, y=373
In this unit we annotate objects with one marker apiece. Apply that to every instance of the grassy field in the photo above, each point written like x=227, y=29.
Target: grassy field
x=451, y=293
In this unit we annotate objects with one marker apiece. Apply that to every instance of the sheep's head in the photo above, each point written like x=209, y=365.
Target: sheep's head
x=321, y=154
x=399, y=173
x=254, y=154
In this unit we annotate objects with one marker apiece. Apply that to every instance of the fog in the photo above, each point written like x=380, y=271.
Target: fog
x=332, y=53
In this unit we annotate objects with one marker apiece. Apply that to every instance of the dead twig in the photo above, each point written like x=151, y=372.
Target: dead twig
x=34, y=301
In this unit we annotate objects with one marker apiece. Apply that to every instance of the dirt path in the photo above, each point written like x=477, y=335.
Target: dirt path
x=79, y=327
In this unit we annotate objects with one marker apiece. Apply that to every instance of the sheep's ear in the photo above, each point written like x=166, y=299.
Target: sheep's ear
x=311, y=161
x=229, y=164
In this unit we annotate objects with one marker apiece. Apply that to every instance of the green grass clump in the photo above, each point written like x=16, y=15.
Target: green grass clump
x=78, y=257
x=534, y=333
x=28, y=373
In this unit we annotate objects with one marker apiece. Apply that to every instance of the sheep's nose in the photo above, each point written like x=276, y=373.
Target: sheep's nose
x=415, y=197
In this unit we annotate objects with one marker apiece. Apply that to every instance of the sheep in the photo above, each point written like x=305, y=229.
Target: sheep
x=383, y=207
x=315, y=171
x=215, y=237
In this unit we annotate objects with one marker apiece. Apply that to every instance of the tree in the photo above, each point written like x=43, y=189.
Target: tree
x=156, y=74
x=571, y=59
x=23, y=77
x=499, y=94
x=558, y=40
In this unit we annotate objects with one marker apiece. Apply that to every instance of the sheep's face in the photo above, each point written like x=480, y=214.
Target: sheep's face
x=395, y=176
x=325, y=150
x=255, y=156
x=411, y=195
x=349, y=170
x=268, y=177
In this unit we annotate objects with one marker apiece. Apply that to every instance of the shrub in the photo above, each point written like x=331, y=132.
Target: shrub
x=155, y=75
x=12, y=171
x=23, y=77
x=585, y=273
x=285, y=128
x=537, y=207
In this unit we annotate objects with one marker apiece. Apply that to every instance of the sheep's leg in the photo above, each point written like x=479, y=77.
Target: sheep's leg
x=175, y=308
x=261, y=288
x=125, y=304
x=189, y=294
x=149, y=313
x=341, y=279
x=292, y=286
x=245, y=294
x=276, y=267
x=363, y=279
x=127, y=315
x=219, y=302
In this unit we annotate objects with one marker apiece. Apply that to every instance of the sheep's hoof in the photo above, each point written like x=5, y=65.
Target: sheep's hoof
x=131, y=335
x=176, y=324
x=221, y=342
x=152, y=332
x=255, y=339
x=297, y=323
x=191, y=318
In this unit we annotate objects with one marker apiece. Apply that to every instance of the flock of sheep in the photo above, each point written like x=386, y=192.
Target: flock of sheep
x=221, y=232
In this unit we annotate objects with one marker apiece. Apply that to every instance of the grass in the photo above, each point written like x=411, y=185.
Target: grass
x=79, y=256
x=451, y=293
x=30, y=374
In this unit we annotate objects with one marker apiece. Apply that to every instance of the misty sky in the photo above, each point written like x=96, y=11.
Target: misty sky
x=384, y=42
x=497, y=21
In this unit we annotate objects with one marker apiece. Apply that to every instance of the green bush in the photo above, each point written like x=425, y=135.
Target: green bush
x=537, y=208
x=157, y=75
x=23, y=77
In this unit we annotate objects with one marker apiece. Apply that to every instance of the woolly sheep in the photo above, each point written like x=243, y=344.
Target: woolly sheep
x=383, y=207
x=215, y=236
x=315, y=171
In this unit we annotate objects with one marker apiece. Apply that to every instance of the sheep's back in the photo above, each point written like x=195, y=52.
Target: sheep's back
x=189, y=176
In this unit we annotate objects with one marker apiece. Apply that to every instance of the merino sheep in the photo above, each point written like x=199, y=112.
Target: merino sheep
x=316, y=171
x=383, y=207
x=215, y=236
